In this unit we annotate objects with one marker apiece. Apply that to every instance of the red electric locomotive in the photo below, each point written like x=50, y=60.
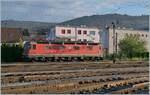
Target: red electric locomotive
x=63, y=51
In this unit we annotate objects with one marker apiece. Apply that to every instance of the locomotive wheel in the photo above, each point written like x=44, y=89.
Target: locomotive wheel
x=80, y=59
x=51, y=59
x=74, y=59
x=65, y=59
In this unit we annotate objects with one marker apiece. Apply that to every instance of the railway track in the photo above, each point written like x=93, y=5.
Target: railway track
x=65, y=66
x=73, y=62
x=72, y=87
x=106, y=88
x=135, y=88
x=76, y=78
x=102, y=78
x=35, y=76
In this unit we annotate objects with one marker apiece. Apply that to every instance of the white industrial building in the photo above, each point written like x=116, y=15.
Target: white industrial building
x=121, y=33
x=75, y=33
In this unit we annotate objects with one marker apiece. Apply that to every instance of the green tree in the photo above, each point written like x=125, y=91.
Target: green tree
x=21, y=43
x=26, y=32
x=131, y=46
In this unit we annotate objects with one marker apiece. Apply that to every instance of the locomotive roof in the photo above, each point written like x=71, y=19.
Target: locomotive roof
x=65, y=43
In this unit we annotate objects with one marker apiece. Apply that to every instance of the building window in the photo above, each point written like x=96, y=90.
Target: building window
x=146, y=35
x=84, y=32
x=79, y=31
x=92, y=32
x=69, y=31
x=63, y=31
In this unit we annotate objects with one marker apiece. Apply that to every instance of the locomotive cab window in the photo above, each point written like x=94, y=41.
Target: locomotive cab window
x=33, y=47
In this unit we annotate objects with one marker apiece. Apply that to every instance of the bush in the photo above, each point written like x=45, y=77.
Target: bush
x=132, y=47
x=11, y=53
x=108, y=57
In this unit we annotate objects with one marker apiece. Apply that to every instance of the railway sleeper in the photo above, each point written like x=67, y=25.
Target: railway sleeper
x=28, y=79
x=117, y=84
x=63, y=86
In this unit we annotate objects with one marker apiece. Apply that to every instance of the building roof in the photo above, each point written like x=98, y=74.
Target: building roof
x=79, y=26
x=130, y=29
x=11, y=35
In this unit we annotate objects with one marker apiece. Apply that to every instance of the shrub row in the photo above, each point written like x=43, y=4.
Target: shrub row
x=11, y=52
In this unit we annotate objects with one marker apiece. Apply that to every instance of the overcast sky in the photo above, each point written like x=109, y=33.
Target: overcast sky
x=62, y=10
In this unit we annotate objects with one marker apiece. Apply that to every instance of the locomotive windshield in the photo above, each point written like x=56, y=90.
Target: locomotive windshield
x=26, y=47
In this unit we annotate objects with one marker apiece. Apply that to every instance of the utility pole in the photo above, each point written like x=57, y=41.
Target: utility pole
x=114, y=45
x=100, y=37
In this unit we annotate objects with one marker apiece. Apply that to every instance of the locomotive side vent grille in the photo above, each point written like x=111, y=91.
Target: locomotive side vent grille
x=76, y=47
x=90, y=47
